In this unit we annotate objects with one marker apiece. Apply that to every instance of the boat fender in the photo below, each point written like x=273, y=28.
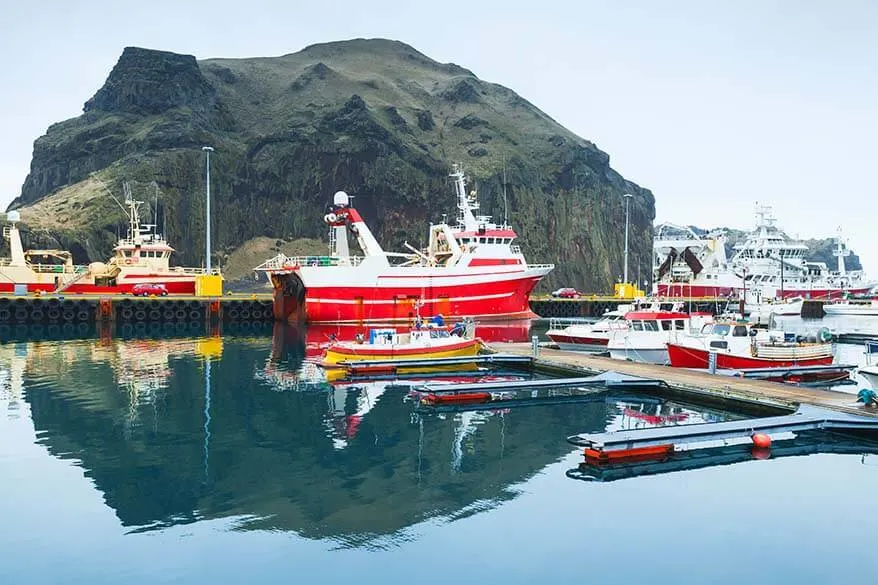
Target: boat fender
x=867, y=396
x=824, y=335
x=330, y=218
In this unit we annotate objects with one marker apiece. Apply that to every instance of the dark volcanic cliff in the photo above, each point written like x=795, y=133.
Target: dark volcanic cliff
x=373, y=117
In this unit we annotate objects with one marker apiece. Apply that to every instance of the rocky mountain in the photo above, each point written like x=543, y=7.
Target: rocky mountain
x=375, y=118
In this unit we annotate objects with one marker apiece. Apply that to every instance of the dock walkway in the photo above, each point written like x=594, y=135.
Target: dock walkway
x=692, y=381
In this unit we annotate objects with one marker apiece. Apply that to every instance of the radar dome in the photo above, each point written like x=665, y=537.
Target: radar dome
x=14, y=216
x=340, y=199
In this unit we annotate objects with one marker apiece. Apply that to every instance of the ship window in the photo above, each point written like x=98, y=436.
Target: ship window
x=721, y=330
x=637, y=325
x=650, y=326
x=666, y=325
x=739, y=331
x=706, y=328
x=679, y=324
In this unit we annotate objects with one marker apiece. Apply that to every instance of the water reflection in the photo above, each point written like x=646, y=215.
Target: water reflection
x=806, y=443
x=173, y=431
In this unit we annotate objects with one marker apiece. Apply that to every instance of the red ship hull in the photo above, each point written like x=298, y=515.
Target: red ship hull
x=184, y=285
x=689, y=357
x=696, y=291
x=499, y=300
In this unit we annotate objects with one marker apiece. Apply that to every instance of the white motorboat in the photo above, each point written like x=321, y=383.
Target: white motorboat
x=869, y=372
x=867, y=307
x=645, y=334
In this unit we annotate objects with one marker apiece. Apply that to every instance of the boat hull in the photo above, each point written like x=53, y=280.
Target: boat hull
x=863, y=311
x=578, y=342
x=491, y=298
x=681, y=290
x=682, y=356
x=645, y=355
x=870, y=375
x=360, y=352
x=183, y=285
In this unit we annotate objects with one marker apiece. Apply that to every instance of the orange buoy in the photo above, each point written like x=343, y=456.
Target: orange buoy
x=761, y=440
x=761, y=453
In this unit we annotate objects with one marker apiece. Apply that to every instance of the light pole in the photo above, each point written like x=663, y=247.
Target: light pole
x=628, y=197
x=208, y=150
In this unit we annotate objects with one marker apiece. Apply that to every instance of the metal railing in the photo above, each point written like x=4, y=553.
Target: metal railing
x=556, y=323
x=284, y=262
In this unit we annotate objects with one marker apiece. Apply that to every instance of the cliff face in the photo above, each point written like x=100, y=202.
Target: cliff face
x=375, y=118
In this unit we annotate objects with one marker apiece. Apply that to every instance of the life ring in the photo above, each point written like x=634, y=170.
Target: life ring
x=129, y=261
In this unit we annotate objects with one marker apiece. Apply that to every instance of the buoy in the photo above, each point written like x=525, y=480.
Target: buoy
x=761, y=440
x=761, y=453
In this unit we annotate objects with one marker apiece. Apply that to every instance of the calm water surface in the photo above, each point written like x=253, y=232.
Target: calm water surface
x=228, y=460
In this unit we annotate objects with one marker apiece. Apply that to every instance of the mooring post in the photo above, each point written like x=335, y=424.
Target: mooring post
x=711, y=362
x=535, y=345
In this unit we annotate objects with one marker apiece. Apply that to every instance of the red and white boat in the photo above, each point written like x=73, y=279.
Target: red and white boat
x=645, y=334
x=767, y=265
x=472, y=269
x=738, y=346
x=142, y=257
x=585, y=336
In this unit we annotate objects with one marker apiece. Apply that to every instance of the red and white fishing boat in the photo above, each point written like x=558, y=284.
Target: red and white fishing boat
x=767, y=265
x=645, y=334
x=738, y=346
x=142, y=257
x=472, y=269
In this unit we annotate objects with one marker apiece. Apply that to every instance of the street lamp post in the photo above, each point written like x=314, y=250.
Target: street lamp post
x=207, y=150
x=628, y=197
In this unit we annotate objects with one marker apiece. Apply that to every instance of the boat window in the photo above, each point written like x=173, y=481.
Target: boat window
x=483, y=240
x=739, y=331
x=721, y=330
x=706, y=328
x=438, y=333
x=666, y=307
x=650, y=326
x=637, y=325
x=679, y=324
x=666, y=325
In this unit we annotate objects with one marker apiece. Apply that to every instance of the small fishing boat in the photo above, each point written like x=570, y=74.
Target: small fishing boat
x=584, y=336
x=643, y=335
x=866, y=307
x=424, y=341
x=739, y=346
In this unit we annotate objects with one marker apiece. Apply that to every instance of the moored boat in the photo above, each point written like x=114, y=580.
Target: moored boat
x=584, y=336
x=387, y=344
x=140, y=258
x=739, y=346
x=645, y=334
x=472, y=269
x=865, y=308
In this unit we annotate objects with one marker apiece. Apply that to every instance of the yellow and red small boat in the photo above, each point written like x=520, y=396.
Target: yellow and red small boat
x=417, y=344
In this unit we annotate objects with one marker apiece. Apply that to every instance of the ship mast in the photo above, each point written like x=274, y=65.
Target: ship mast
x=464, y=206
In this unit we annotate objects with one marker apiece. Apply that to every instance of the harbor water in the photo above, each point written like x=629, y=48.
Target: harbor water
x=229, y=459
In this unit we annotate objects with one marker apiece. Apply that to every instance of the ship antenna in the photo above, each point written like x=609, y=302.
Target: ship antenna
x=505, y=206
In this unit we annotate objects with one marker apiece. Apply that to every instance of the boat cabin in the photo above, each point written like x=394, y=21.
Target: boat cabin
x=656, y=321
x=389, y=336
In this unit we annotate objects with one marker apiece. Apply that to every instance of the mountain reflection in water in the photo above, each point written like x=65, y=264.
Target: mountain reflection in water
x=174, y=431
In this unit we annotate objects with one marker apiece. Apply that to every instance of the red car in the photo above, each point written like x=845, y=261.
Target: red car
x=566, y=293
x=146, y=289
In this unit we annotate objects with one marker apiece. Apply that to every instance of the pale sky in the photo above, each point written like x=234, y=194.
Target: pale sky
x=713, y=105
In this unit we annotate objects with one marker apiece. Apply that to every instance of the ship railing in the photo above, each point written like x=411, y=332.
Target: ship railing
x=197, y=271
x=58, y=268
x=557, y=323
x=284, y=262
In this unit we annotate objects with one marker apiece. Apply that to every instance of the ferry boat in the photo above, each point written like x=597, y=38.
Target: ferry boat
x=645, y=334
x=142, y=257
x=740, y=346
x=472, y=269
x=766, y=265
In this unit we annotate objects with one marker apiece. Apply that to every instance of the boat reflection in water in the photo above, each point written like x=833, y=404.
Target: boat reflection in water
x=174, y=431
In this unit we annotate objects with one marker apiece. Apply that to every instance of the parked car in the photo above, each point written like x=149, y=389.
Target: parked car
x=146, y=289
x=566, y=293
